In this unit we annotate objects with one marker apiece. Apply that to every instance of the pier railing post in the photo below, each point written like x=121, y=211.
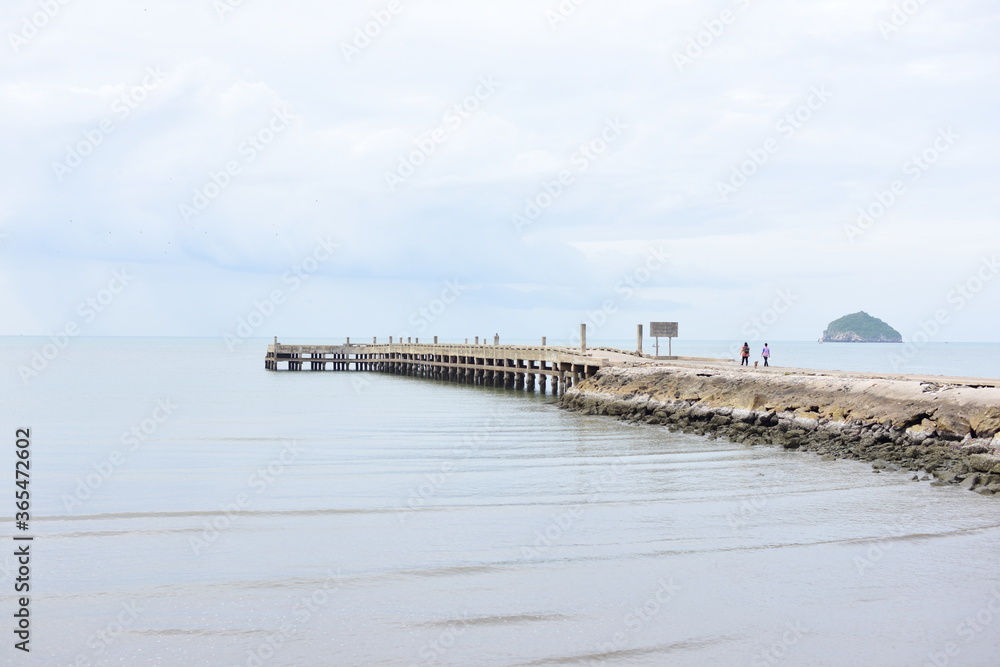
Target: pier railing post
x=583, y=338
x=638, y=339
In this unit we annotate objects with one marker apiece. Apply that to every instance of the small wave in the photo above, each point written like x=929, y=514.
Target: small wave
x=598, y=657
x=199, y=632
x=505, y=619
x=917, y=537
x=210, y=513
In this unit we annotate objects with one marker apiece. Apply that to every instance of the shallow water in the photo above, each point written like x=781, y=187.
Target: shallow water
x=361, y=519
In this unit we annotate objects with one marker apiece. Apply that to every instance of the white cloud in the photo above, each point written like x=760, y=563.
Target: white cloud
x=325, y=172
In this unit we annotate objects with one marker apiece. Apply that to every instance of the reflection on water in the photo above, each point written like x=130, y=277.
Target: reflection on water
x=347, y=519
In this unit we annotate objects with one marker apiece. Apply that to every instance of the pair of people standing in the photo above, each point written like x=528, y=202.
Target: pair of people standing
x=745, y=354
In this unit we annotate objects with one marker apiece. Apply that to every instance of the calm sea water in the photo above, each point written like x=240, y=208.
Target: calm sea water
x=258, y=518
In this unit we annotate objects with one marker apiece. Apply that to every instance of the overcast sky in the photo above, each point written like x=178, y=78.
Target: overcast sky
x=423, y=167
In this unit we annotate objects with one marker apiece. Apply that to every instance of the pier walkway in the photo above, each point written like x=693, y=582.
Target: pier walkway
x=509, y=366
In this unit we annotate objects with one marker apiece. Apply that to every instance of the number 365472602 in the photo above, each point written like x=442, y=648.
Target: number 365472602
x=22, y=473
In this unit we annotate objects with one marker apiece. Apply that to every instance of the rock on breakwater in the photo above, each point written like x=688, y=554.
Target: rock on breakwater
x=948, y=429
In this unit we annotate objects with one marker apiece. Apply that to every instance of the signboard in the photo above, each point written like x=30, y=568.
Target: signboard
x=663, y=329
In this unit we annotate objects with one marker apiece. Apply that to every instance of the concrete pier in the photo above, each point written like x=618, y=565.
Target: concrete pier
x=520, y=367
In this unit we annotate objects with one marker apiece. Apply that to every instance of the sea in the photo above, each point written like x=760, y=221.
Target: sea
x=188, y=507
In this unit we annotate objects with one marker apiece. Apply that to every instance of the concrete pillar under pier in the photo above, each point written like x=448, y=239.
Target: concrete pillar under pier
x=520, y=377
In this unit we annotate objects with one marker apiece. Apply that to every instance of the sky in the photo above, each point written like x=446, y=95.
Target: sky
x=748, y=169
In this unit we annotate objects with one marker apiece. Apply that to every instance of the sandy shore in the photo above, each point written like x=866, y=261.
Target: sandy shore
x=947, y=427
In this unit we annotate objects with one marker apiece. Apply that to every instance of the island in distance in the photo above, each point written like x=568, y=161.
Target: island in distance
x=860, y=327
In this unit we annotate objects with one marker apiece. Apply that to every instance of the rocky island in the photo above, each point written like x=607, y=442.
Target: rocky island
x=860, y=327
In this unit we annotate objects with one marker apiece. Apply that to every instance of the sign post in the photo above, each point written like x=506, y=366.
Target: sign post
x=666, y=330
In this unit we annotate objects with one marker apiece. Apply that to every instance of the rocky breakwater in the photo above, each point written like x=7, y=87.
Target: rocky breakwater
x=947, y=429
